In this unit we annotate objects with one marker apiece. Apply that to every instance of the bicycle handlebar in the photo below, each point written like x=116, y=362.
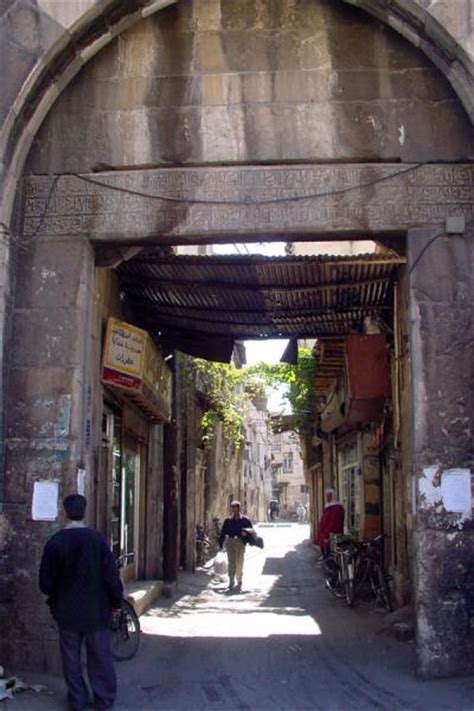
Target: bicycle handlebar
x=122, y=560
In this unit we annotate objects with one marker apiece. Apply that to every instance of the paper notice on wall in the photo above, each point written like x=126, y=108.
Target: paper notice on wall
x=81, y=482
x=456, y=490
x=45, y=501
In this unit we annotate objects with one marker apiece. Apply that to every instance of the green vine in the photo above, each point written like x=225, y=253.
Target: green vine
x=229, y=391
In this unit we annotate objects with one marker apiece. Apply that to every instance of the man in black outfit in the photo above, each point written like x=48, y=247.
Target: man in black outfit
x=79, y=575
x=234, y=528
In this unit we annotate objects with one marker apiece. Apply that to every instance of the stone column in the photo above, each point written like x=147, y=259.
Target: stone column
x=440, y=270
x=154, y=504
x=171, y=488
x=47, y=426
x=191, y=446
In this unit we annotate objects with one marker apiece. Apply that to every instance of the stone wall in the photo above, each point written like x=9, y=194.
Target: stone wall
x=46, y=411
x=441, y=297
x=221, y=82
x=30, y=30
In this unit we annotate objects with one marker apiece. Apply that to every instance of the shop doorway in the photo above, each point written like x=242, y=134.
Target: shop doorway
x=120, y=469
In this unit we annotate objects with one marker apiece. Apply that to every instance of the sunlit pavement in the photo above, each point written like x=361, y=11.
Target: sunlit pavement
x=283, y=643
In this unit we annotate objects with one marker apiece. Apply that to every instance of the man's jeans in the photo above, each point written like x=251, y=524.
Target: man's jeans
x=100, y=668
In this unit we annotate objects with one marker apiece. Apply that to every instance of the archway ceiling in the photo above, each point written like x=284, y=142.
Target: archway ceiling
x=202, y=304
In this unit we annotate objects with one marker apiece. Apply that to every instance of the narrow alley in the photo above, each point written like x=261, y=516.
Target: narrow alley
x=283, y=643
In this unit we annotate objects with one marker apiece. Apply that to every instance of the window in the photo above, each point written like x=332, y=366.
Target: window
x=288, y=462
x=350, y=484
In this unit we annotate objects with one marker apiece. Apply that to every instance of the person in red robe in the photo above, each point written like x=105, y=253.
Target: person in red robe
x=331, y=521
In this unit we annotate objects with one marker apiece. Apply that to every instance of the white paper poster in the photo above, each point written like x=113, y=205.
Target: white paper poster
x=45, y=501
x=456, y=490
x=81, y=481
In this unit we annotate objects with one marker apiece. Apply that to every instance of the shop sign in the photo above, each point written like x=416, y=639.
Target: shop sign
x=133, y=364
x=124, y=354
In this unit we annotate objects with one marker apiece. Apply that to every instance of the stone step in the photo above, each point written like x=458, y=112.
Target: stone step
x=143, y=593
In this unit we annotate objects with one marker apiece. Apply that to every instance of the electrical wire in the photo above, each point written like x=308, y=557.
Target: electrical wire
x=267, y=201
x=198, y=201
x=296, y=198
x=24, y=240
x=430, y=242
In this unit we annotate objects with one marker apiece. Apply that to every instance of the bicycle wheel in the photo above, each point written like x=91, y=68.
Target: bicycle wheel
x=332, y=577
x=126, y=638
x=200, y=556
x=384, y=596
x=379, y=587
x=350, y=578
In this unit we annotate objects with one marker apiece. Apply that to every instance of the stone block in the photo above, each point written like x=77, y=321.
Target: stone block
x=173, y=91
x=462, y=85
x=152, y=6
x=445, y=585
x=442, y=39
x=445, y=332
x=50, y=273
x=40, y=389
x=107, y=65
x=46, y=338
x=143, y=594
x=248, y=51
x=95, y=46
x=19, y=60
x=442, y=273
x=112, y=103
x=52, y=458
x=404, y=28
x=173, y=54
x=33, y=416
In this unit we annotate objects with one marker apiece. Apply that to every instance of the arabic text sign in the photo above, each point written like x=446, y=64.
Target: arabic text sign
x=124, y=353
x=134, y=364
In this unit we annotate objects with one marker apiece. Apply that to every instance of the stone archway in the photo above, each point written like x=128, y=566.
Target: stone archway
x=99, y=25
x=81, y=210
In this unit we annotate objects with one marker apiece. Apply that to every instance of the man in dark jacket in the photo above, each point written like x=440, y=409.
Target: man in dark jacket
x=233, y=529
x=79, y=575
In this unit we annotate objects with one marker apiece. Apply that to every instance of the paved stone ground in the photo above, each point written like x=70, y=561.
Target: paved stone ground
x=283, y=644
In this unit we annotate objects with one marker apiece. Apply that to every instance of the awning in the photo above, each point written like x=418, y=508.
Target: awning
x=206, y=302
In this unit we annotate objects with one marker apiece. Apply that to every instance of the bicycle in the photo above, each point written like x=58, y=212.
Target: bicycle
x=216, y=531
x=205, y=549
x=365, y=575
x=333, y=572
x=125, y=632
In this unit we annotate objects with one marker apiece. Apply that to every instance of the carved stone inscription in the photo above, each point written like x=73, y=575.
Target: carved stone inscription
x=173, y=204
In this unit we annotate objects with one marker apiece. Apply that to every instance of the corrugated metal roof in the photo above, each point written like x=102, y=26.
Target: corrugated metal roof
x=251, y=296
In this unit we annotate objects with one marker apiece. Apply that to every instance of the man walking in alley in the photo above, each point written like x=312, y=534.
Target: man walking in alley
x=234, y=529
x=80, y=578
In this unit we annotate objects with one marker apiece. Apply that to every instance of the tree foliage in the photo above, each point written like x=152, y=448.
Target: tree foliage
x=229, y=390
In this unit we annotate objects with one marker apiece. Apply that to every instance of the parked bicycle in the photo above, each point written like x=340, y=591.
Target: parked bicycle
x=215, y=531
x=354, y=570
x=125, y=637
x=365, y=575
x=335, y=573
x=205, y=548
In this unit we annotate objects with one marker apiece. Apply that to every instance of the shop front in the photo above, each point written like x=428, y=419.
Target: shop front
x=136, y=401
